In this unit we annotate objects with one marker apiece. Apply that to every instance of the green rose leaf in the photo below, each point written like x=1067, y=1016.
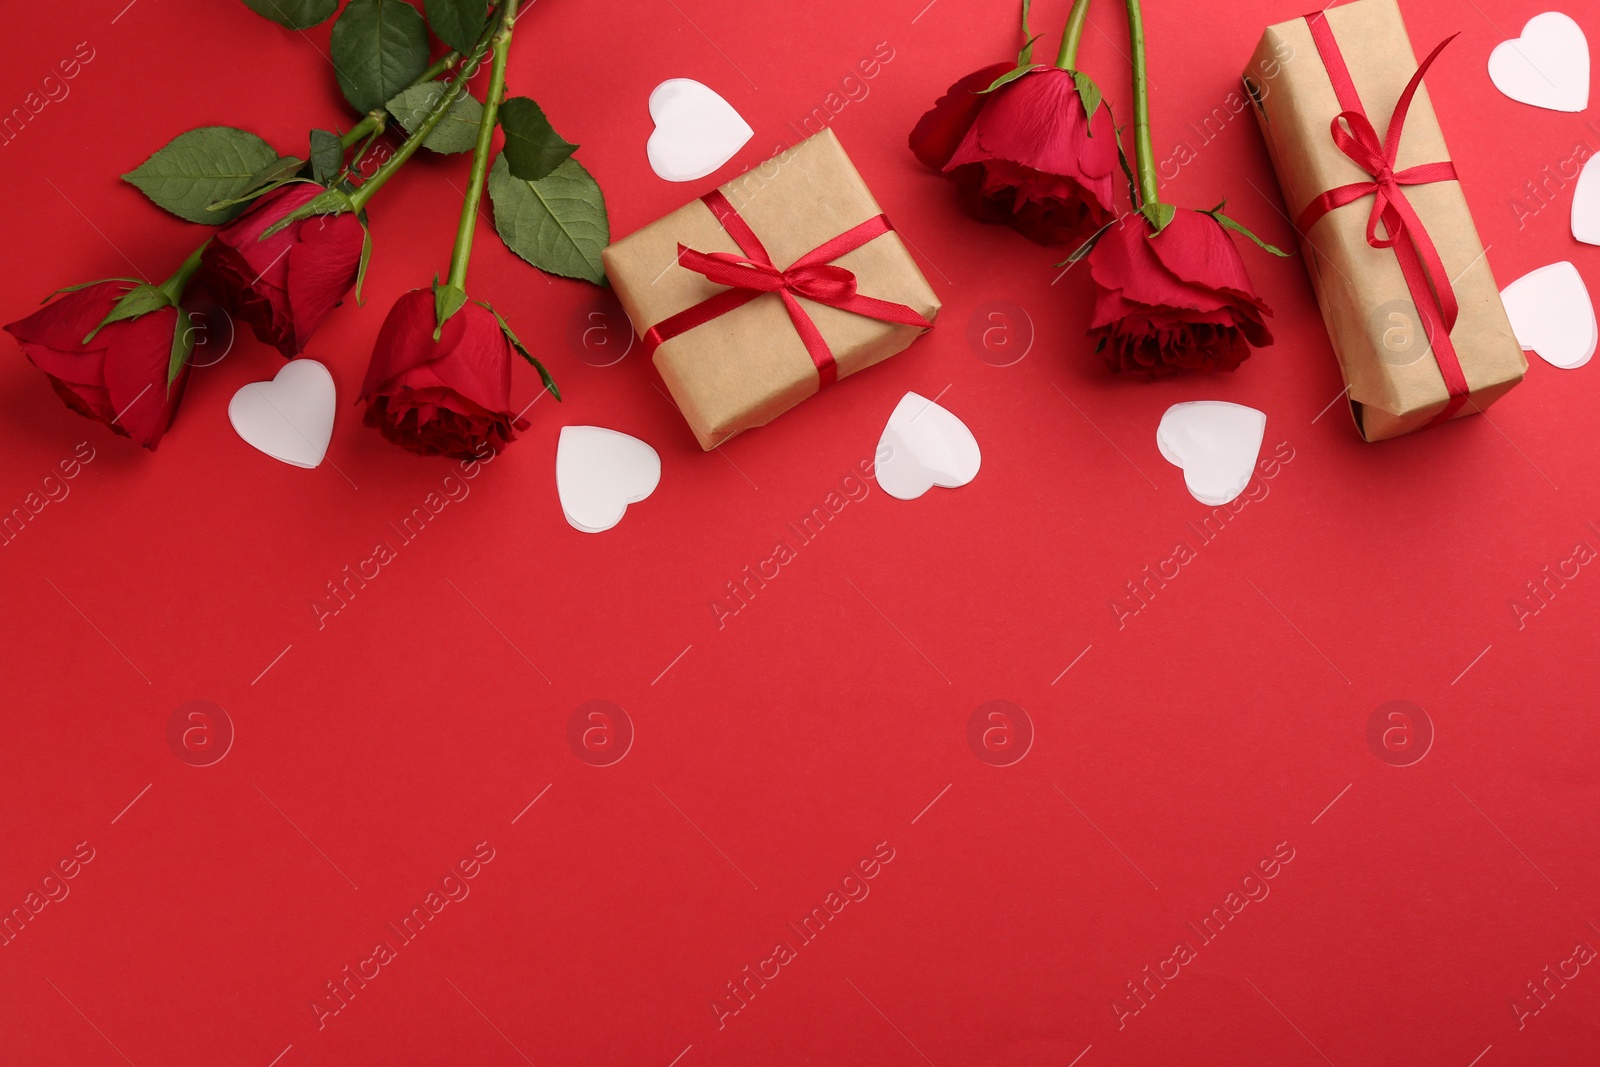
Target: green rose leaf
x=1088, y=246
x=327, y=202
x=200, y=168
x=1158, y=215
x=457, y=131
x=85, y=285
x=140, y=300
x=294, y=14
x=327, y=156
x=1088, y=92
x=182, y=347
x=277, y=172
x=533, y=148
x=378, y=48
x=458, y=23
x=1238, y=227
x=557, y=223
x=522, y=350
x=1014, y=73
x=447, y=300
x=274, y=175
x=366, y=255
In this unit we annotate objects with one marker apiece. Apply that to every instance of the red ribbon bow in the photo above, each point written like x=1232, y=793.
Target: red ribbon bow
x=813, y=276
x=822, y=282
x=1403, y=231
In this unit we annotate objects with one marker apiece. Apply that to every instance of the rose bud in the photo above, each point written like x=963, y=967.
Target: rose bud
x=448, y=397
x=284, y=286
x=112, y=372
x=1026, y=154
x=1175, y=301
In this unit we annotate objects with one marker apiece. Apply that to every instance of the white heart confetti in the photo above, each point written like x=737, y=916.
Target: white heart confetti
x=696, y=131
x=1548, y=66
x=599, y=472
x=1586, y=204
x=1215, y=444
x=289, y=418
x=922, y=446
x=1551, y=314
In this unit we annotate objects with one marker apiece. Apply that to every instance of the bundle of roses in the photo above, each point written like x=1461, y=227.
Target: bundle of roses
x=1034, y=147
x=292, y=237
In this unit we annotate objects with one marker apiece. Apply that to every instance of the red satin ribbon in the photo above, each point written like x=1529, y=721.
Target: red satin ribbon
x=753, y=274
x=1403, y=231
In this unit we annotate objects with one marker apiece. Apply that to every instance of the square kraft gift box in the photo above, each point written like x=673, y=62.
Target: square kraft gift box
x=753, y=297
x=1326, y=90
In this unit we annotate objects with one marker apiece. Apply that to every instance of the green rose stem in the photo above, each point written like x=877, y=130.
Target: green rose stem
x=501, y=46
x=1144, y=156
x=335, y=201
x=377, y=120
x=1067, y=58
x=370, y=187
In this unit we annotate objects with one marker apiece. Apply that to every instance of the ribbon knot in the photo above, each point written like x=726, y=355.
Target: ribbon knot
x=826, y=283
x=1354, y=134
x=813, y=276
x=823, y=282
x=1424, y=270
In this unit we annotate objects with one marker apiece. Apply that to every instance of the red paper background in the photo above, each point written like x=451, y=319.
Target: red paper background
x=773, y=754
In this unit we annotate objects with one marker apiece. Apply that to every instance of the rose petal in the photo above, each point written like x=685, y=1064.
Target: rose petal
x=1038, y=122
x=941, y=129
x=1197, y=250
x=137, y=354
x=406, y=340
x=321, y=270
x=479, y=363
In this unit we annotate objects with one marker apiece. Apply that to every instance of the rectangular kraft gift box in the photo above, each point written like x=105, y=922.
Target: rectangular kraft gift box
x=1395, y=385
x=748, y=366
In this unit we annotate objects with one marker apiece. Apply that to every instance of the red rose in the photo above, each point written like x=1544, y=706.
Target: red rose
x=119, y=377
x=447, y=397
x=1178, y=301
x=1025, y=154
x=286, y=285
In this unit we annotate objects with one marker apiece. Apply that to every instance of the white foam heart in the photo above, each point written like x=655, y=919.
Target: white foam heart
x=289, y=418
x=1551, y=314
x=1215, y=443
x=1548, y=66
x=1586, y=204
x=922, y=446
x=599, y=472
x=696, y=131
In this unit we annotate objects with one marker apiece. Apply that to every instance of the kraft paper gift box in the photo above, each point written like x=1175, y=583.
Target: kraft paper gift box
x=744, y=367
x=1392, y=362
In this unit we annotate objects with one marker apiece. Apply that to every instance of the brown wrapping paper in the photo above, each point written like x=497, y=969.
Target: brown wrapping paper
x=747, y=367
x=1394, y=383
